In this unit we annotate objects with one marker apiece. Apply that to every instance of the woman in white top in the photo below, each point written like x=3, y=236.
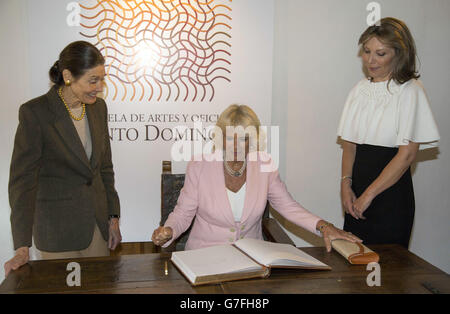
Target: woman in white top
x=385, y=119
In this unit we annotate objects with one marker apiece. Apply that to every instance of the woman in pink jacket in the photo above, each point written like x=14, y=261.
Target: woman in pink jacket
x=227, y=191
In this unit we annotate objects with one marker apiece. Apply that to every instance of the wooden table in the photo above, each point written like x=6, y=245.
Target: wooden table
x=401, y=272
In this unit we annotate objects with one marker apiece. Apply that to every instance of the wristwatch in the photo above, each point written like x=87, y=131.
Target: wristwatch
x=326, y=224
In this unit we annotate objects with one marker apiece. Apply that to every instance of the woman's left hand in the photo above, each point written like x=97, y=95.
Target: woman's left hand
x=331, y=233
x=361, y=204
x=114, y=233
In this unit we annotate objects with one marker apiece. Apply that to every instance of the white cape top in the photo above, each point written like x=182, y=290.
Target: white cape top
x=376, y=115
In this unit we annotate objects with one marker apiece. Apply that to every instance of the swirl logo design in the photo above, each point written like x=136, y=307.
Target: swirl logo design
x=161, y=50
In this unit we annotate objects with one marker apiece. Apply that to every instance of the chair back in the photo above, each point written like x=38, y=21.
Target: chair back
x=171, y=185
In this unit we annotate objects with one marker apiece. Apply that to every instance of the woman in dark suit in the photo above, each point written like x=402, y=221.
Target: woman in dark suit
x=61, y=186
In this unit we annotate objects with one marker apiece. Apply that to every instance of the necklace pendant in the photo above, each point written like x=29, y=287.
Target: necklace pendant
x=233, y=172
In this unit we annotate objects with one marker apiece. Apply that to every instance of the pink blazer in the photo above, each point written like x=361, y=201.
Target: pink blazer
x=204, y=198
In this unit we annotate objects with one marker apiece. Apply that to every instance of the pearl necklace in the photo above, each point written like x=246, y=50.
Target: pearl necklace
x=68, y=109
x=234, y=173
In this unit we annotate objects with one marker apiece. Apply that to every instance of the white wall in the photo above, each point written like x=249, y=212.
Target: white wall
x=315, y=66
x=15, y=90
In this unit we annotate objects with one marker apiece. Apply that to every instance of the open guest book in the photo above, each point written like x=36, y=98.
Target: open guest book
x=246, y=258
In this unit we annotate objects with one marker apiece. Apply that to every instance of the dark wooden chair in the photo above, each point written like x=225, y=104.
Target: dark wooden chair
x=171, y=185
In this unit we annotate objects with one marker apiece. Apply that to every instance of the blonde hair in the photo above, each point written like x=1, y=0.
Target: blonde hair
x=395, y=34
x=241, y=116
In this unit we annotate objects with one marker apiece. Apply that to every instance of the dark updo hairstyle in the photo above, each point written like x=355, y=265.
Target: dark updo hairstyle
x=78, y=57
x=395, y=34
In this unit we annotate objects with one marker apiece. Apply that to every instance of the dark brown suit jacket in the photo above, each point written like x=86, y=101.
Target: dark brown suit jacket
x=56, y=194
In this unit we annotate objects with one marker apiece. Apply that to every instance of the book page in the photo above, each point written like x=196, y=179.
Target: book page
x=277, y=254
x=213, y=260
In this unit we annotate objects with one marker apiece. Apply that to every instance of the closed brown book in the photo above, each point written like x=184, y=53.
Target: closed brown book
x=246, y=258
x=355, y=253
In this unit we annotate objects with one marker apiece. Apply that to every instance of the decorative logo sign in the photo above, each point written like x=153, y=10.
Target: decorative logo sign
x=161, y=50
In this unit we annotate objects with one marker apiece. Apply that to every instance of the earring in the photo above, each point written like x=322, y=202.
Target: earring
x=67, y=82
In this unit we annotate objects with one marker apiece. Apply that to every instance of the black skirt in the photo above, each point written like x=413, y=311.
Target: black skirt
x=390, y=216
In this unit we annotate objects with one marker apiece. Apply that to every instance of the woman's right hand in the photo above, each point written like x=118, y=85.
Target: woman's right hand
x=161, y=235
x=348, y=197
x=21, y=258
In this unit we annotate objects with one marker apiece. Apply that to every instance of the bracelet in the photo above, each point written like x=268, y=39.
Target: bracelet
x=346, y=177
x=326, y=224
x=114, y=216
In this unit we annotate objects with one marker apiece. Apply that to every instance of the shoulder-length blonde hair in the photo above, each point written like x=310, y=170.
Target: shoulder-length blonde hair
x=395, y=34
x=241, y=116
